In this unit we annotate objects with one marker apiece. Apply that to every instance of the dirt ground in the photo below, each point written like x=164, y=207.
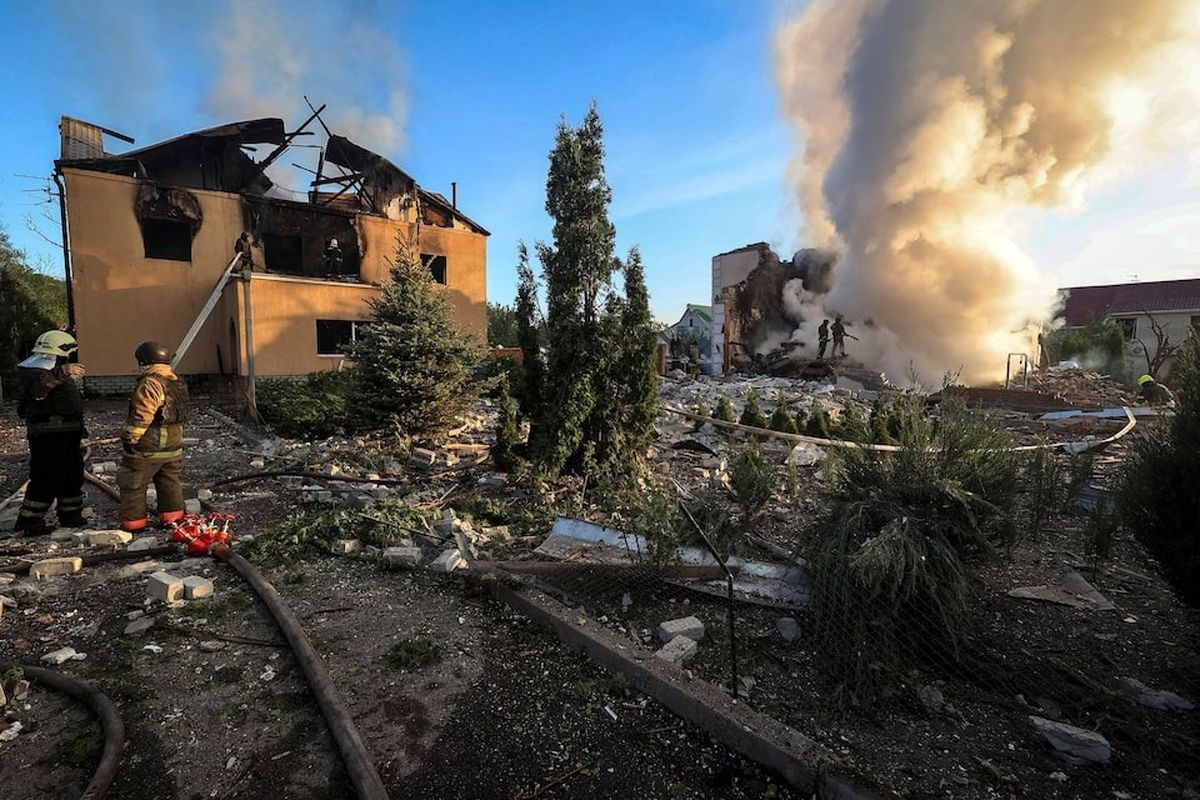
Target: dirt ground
x=476, y=702
x=456, y=697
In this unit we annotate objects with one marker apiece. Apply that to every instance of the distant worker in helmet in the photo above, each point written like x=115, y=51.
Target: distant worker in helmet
x=822, y=338
x=153, y=440
x=1154, y=393
x=839, y=336
x=52, y=406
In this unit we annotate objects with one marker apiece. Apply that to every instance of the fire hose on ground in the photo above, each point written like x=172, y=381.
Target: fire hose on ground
x=102, y=707
x=359, y=765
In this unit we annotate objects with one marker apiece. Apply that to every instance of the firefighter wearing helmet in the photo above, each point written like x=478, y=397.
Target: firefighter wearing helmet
x=51, y=405
x=153, y=440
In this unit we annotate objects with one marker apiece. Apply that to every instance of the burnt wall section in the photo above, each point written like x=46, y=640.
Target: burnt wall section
x=303, y=239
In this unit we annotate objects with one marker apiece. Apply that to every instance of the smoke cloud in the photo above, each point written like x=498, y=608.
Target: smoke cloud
x=272, y=54
x=931, y=132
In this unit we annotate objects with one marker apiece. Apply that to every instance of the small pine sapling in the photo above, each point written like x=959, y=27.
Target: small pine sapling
x=752, y=415
x=782, y=420
x=725, y=411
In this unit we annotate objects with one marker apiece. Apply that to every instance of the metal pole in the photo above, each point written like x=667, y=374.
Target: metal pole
x=729, y=599
x=248, y=305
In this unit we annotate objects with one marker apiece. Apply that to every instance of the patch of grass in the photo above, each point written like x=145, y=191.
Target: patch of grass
x=219, y=609
x=81, y=747
x=411, y=655
x=1044, y=487
x=229, y=673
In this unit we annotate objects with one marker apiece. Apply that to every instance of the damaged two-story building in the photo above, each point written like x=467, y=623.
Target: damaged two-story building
x=150, y=232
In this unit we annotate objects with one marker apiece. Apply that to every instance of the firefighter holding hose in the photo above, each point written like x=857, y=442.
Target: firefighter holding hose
x=52, y=407
x=153, y=440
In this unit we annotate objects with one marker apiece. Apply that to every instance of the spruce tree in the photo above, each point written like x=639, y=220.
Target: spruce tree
x=782, y=420
x=752, y=415
x=599, y=389
x=818, y=423
x=413, y=367
x=724, y=411
x=637, y=336
x=507, y=438
x=852, y=425
x=529, y=336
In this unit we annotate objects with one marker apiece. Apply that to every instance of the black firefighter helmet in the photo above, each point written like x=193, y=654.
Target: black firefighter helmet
x=152, y=353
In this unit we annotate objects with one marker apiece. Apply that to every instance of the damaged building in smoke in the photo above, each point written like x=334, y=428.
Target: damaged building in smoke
x=151, y=231
x=754, y=327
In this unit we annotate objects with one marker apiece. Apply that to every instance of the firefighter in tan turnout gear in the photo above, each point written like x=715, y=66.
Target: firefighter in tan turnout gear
x=153, y=440
x=52, y=408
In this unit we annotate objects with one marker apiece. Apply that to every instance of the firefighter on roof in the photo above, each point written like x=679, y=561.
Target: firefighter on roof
x=52, y=407
x=153, y=440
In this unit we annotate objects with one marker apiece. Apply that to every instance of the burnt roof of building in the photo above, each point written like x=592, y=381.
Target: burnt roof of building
x=1086, y=303
x=440, y=200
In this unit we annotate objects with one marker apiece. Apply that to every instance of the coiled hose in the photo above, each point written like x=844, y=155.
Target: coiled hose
x=102, y=707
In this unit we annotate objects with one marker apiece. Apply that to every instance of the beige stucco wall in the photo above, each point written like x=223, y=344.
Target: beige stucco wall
x=123, y=298
x=1176, y=324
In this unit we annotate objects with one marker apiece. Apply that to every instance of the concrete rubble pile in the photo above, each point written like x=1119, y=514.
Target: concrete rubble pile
x=1081, y=388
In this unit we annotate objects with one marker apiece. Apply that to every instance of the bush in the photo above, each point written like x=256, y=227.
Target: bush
x=752, y=415
x=890, y=573
x=752, y=478
x=313, y=408
x=507, y=438
x=1043, y=480
x=851, y=424
x=1159, y=499
x=724, y=411
x=782, y=420
x=1100, y=345
x=877, y=423
x=818, y=423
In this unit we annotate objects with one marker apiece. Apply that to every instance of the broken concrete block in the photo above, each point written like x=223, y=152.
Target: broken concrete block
x=691, y=627
x=107, y=538
x=788, y=628
x=1073, y=745
x=164, y=586
x=1072, y=590
x=1162, y=700
x=421, y=457
x=197, y=588
x=139, y=626
x=257, y=463
x=192, y=506
x=345, y=547
x=448, y=561
x=679, y=650
x=145, y=543
x=62, y=656
x=52, y=567
x=397, y=557
x=204, y=495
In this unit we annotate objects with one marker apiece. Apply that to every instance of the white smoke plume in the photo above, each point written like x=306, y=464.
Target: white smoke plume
x=932, y=129
x=273, y=54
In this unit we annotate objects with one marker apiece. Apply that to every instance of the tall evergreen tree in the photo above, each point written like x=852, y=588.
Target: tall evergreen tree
x=507, y=437
x=413, y=367
x=639, y=340
x=578, y=270
x=529, y=336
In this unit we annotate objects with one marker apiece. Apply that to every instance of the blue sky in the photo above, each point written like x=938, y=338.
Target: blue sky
x=697, y=152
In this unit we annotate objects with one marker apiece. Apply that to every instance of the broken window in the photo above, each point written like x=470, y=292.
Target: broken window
x=167, y=239
x=335, y=335
x=283, y=253
x=437, y=267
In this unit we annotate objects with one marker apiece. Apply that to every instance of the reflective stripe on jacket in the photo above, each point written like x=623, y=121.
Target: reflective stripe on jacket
x=157, y=411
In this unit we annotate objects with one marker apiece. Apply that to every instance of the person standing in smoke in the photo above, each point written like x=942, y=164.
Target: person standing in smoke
x=822, y=339
x=839, y=336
